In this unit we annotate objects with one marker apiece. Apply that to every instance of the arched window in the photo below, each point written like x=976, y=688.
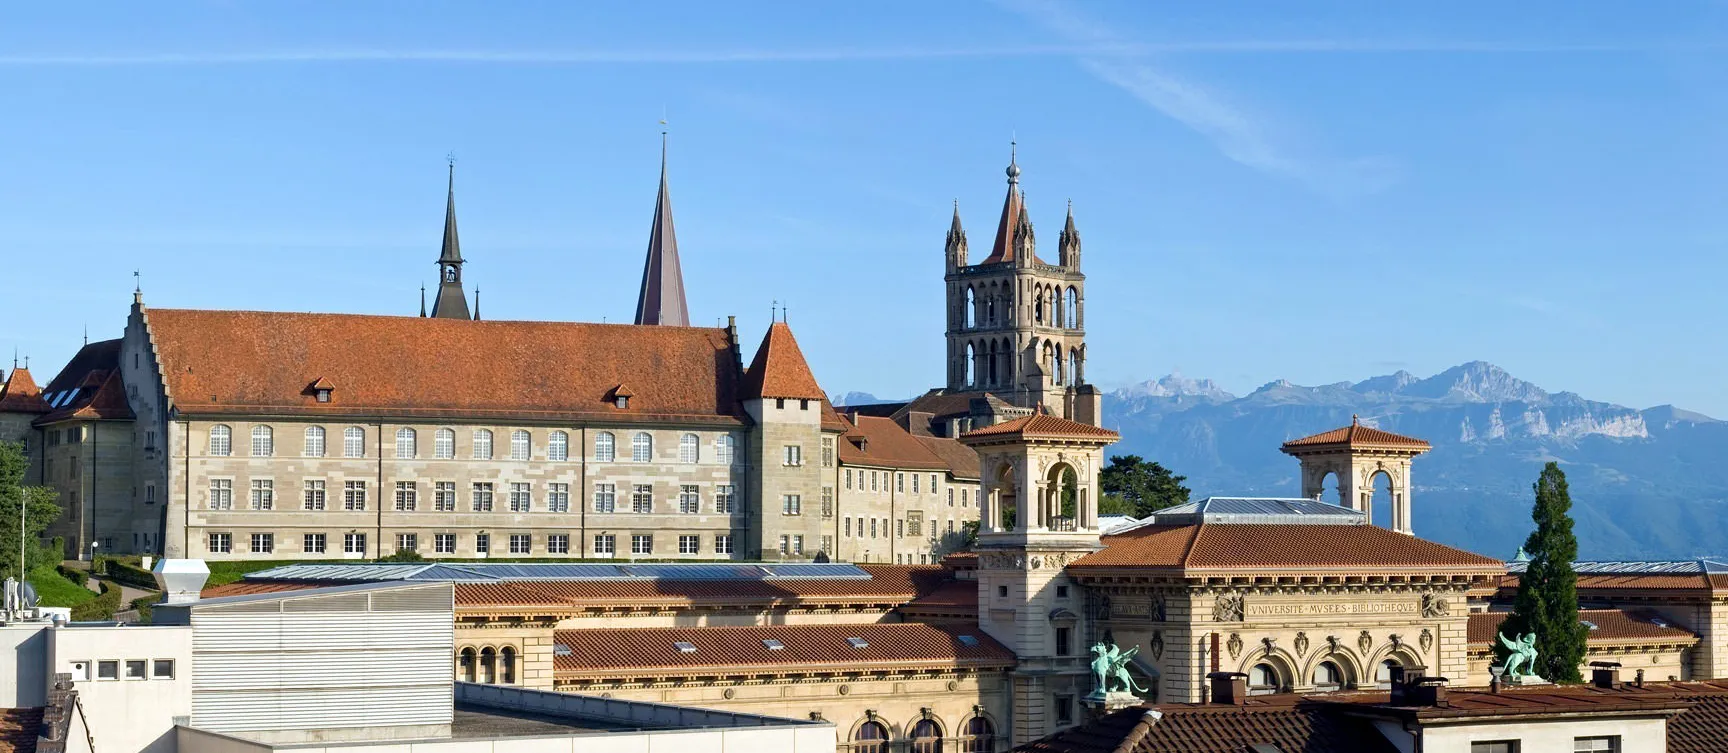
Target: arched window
x=605, y=447
x=1383, y=673
x=980, y=736
x=507, y=665
x=558, y=446
x=1073, y=308
x=990, y=310
x=262, y=442
x=444, y=444
x=971, y=309
x=314, y=447
x=970, y=378
x=405, y=449
x=991, y=374
x=221, y=441
x=1056, y=307
x=926, y=736
x=871, y=737
x=1074, y=366
x=488, y=666
x=482, y=444
x=1038, y=307
x=466, y=665
x=723, y=449
x=1262, y=679
x=521, y=444
x=353, y=442
x=687, y=448
x=1328, y=676
x=641, y=447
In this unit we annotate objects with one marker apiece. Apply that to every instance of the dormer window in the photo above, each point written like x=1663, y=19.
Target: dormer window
x=621, y=402
x=619, y=397
x=320, y=389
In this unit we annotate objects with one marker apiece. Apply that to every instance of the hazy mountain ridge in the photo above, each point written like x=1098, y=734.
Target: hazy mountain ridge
x=1646, y=484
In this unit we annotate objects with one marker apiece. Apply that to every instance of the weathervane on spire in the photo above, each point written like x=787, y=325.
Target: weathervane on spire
x=137, y=282
x=450, y=158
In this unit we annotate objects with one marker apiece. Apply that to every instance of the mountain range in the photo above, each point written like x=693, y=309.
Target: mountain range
x=1646, y=484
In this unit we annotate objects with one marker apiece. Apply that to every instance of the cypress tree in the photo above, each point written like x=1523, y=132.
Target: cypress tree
x=1547, y=601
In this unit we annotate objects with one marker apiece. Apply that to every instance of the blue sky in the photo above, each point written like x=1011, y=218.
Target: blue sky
x=1320, y=195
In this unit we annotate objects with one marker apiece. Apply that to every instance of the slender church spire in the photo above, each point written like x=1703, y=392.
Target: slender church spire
x=662, y=298
x=956, y=245
x=1068, y=245
x=450, y=303
x=1009, y=228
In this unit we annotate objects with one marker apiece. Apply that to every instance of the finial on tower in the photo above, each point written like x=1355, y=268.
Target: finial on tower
x=1354, y=420
x=1013, y=162
x=476, y=303
x=422, y=300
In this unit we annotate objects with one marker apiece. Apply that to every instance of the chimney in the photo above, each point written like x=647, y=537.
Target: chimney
x=1605, y=674
x=1404, y=679
x=1639, y=679
x=181, y=581
x=1426, y=691
x=1229, y=688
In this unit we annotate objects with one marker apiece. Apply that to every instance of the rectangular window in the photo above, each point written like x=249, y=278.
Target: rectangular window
x=520, y=498
x=846, y=523
x=725, y=496
x=444, y=496
x=950, y=496
x=407, y=542
x=353, y=495
x=785, y=544
x=1065, y=709
x=221, y=543
x=642, y=499
x=262, y=441
x=314, y=445
x=407, y=496
x=263, y=543
x=791, y=504
x=797, y=544
x=221, y=494
x=108, y=670
x=1605, y=743
x=482, y=496
x=482, y=543
x=521, y=445
x=312, y=543
x=444, y=444
x=405, y=444
x=558, y=543
x=354, y=543
x=149, y=494
x=313, y=496
x=1494, y=746
x=482, y=445
x=827, y=452
x=444, y=543
x=872, y=528
x=950, y=525
x=521, y=543
x=932, y=483
x=558, y=498
x=689, y=545
x=914, y=483
x=353, y=442
x=605, y=544
x=641, y=544
x=135, y=669
x=873, y=481
x=848, y=476
x=1063, y=641
x=900, y=528
x=900, y=482
x=827, y=544
x=162, y=669
x=723, y=544
x=263, y=494
x=915, y=523
x=794, y=455
x=827, y=501
x=605, y=497
x=558, y=447
x=689, y=499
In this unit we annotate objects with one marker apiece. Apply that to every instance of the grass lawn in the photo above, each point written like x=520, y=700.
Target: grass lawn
x=53, y=590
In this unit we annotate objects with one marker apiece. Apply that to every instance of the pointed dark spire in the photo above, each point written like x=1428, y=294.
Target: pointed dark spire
x=956, y=246
x=422, y=300
x=450, y=303
x=661, y=300
x=1008, y=242
x=476, y=304
x=1068, y=246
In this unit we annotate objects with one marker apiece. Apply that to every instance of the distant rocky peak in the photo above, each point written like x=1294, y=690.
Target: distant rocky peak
x=1393, y=382
x=1176, y=385
x=1476, y=381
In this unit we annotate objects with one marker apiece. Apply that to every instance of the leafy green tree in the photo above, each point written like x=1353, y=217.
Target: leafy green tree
x=1547, y=601
x=403, y=555
x=1138, y=487
x=37, y=503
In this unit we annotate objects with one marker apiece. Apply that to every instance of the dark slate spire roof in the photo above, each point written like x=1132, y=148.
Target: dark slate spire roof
x=956, y=245
x=1013, y=218
x=1068, y=246
x=450, y=303
x=662, y=298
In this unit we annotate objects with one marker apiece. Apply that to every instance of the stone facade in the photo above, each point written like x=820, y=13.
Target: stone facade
x=909, y=517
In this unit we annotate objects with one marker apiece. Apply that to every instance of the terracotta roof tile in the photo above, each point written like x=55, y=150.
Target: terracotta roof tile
x=951, y=600
x=629, y=652
x=20, y=728
x=1043, y=425
x=886, y=444
x=1282, y=721
x=1274, y=547
x=1630, y=582
x=21, y=395
x=99, y=392
x=962, y=461
x=247, y=588
x=249, y=361
x=779, y=369
x=1356, y=435
x=1613, y=627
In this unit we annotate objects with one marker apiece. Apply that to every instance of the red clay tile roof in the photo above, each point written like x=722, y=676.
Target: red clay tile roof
x=779, y=369
x=1044, y=425
x=962, y=461
x=1630, y=582
x=888, y=445
x=247, y=588
x=888, y=584
x=1271, y=546
x=1613, y=627
x=1356, y=435
x=638, y=652
x=21, y=395
x=94, y=373
x=1290, y=723
x=953, y=599
x=247, y=361
x=20, y=728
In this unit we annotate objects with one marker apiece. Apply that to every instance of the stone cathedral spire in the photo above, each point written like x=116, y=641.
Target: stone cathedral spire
x=450, y=303
x=662, y=298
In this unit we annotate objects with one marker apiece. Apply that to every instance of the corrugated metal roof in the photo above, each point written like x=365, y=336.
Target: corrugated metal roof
x=483, y=572
x=1253, y=510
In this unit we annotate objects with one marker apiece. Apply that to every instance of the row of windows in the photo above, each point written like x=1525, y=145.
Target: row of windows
x=911, y=525
x=880, y=481
x=922, y=736
x=515, y=544
x=135, y=669
x=444, y=445
x=482, y=497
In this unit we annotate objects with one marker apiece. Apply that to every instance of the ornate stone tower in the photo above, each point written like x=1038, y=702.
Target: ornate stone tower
x=450, y=303
x=1016, y=324
x=1356, y=454
x=1039, y=495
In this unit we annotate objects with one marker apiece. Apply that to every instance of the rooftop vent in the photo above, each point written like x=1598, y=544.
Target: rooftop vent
x=968, y=640
x=773, y=645
x=858, y=642
x=1658, y=622
x=181, y=581
x=559, y=649
x=1588, y=624
x=685, y=647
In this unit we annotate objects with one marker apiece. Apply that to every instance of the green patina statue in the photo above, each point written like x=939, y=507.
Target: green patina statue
x=1521, y=656
x=1110, y=668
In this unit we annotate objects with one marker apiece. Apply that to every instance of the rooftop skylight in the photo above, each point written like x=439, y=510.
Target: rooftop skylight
x=685, y=647
x=773, y=645
x=858, y=642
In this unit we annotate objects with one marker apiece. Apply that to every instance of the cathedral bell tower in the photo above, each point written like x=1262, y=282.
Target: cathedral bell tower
x=1017, y=324
x=1039, y=499
x=450, y=303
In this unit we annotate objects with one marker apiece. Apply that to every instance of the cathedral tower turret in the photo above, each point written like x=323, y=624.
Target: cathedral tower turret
x=450, y=303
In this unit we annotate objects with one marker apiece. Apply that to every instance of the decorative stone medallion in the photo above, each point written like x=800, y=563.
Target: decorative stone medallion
x=1426, y=640
x=1301, y=644
x=1157, y=644
x=1364, y=642
x=1235, y=645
